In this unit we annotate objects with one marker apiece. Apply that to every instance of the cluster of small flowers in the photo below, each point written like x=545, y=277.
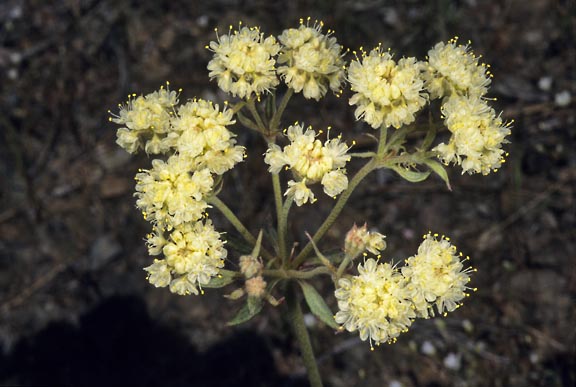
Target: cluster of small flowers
x=455, y=74
x=244, y=62
x=310, y=161
x=383, y=300
x=390, y=94
x=172, y=194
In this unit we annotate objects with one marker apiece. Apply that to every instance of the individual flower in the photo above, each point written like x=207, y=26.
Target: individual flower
x=311, y=160
x=250, y=266
x=387, y=93
x=169, y=194
x=146, y=121
x=436, y=276
x=453, y=69
x=334, y=182
x=194, y=253
x=375, y=303
x=243, y=62
x=312, y=61
x=359, y=239
x=159, y=273
x=477, y=135
x=200, y=134
x=301, y=193
x=255, y=287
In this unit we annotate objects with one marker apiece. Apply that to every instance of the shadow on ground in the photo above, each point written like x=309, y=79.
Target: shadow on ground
x=117, y=343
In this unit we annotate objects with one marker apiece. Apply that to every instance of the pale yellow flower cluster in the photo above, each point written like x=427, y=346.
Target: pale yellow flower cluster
x=170, y=194
x=477, y=135
x=453, y=69
x=382, y=300
x=146, y=121
x=387, y=93
x=194, y=253
x=375, y=303
x=312, y=61
x=437, y=276
x=243, y=62
x=310, y=161
x=202, y=136
x=173, y=193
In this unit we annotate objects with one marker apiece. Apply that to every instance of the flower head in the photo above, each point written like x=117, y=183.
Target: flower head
x=375, y=303
x=200, y=134
x=194, y=253
x=311, y=160
x=387, y=93
x=243, y=62
x=146, y=121
x=477, y=135
x=312, y=61
x=436, y=276
x=453, y=69
x=170, y=194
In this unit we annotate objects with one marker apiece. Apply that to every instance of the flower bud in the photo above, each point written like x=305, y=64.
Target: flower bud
x=250, y=266
x=355, y=241
x=235, y=295
x=256, y=287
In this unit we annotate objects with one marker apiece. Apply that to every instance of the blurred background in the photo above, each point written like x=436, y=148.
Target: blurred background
x=75, y=308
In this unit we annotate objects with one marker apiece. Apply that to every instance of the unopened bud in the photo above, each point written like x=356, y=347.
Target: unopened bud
x=256, y=287
x=250, y=266
x=236, y=294
x=359, y=239
x=355, y=241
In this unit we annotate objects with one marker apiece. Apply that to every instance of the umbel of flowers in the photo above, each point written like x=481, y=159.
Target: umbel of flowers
x=192, y=146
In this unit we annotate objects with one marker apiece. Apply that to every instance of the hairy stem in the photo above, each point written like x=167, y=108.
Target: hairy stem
x=278, y=203
x=238, y=225
x=301, y=333
x=275, y=121
x=252, y=107
x=329, y=221
x=283, y=228
x=296, y=274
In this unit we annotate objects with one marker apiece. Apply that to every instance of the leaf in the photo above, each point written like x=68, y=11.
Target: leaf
x=439, y=170
x=225, y=277
x=256, y=251
x=430, y=136
x=249, y=310
x=410, y=175
x=317, y=305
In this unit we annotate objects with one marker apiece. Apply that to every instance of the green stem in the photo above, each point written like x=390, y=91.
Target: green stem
x=283, y=228
x=301, y=333
x=252, y=107
x=382, y=146
x=296, y=274
x=238, y=225
x=363, y=155
x=342, y=199
x=343, y=265
x=275, y=121
x=278, y=204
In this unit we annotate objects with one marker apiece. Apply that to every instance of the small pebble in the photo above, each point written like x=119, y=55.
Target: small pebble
x=309, y=320
x=452, y=361
x=545, y=83
x=428, y=348
x=563, y=98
